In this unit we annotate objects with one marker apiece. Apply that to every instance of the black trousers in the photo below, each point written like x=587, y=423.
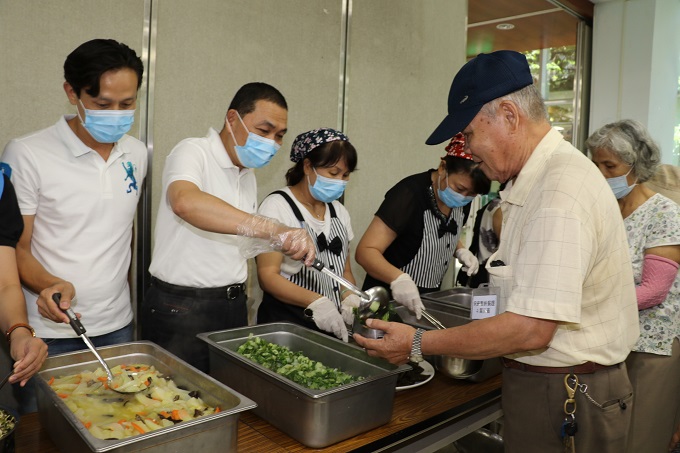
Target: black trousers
x=171, y=316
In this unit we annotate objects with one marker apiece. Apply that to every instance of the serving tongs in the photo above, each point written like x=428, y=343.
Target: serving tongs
x=434, y=321
x=79, y=329
x=375, y=294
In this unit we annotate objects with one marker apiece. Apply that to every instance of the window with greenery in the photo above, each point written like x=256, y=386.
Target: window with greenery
x=555, y=71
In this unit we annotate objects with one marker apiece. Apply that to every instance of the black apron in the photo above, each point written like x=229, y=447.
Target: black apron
x=330, y=251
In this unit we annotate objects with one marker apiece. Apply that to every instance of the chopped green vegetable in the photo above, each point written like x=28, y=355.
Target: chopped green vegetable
x=385, y=313
x=294, y=365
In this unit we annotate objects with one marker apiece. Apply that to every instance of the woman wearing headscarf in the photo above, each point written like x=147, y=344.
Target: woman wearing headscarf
x=627, y=156
x=415, y=233
x=324, y=159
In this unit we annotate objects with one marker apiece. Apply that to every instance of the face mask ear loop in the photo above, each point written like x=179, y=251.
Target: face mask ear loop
x=82, y=121
x=636, y=179
x=231, y=131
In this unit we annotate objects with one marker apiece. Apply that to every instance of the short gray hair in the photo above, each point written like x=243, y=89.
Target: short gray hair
x=631, y=142
x=527, y=99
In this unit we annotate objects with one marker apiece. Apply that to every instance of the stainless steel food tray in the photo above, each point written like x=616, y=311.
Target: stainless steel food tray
x=460, y=297
x=452, y=316
x=217, y=432
x=316, y=418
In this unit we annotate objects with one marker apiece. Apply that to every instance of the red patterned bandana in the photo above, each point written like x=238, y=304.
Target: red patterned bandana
x=456, y=147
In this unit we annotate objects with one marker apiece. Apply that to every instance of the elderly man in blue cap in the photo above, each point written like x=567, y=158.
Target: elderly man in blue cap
x=568, y=314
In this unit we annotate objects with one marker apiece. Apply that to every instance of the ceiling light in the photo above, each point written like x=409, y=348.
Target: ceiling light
x=505, y=26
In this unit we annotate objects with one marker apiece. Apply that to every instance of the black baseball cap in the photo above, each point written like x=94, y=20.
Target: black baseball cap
x=486, y=77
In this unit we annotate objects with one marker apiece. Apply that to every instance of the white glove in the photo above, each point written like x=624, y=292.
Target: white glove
x=327, y=317
x=468, y=260
x=405, y=292
x=348, y=304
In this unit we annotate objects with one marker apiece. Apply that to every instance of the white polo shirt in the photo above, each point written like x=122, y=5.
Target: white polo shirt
x=84, y=210
x=183, y=254
x=566, y=258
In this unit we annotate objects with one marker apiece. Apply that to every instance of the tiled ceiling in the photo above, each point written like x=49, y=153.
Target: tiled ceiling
x=538, y=24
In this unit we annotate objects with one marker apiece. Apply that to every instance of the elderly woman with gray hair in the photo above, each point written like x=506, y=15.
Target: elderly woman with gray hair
x=627, y=156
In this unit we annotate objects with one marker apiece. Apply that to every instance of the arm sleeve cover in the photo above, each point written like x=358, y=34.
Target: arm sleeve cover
x=658, y=275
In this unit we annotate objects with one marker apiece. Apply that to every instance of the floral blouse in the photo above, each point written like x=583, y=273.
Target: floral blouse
x=655, y=223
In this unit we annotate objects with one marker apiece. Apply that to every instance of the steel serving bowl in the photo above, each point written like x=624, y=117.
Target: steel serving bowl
x=365, y=331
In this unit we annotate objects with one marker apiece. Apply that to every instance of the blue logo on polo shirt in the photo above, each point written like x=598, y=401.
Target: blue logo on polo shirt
x=6, y=169
x=130, y=170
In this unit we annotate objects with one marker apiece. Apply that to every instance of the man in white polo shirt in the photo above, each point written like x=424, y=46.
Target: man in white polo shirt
x=78, y=183
x=209, y=197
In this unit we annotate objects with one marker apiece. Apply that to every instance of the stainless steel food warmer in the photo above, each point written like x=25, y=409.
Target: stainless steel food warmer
x=211, y=433
x=315, y=418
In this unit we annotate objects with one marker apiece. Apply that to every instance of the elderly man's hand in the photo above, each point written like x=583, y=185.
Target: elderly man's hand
x=395, y=346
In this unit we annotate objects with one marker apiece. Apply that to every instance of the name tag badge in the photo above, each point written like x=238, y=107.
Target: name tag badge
x=484, y=302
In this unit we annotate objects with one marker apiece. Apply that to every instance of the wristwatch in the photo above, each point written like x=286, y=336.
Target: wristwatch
x=416, y=353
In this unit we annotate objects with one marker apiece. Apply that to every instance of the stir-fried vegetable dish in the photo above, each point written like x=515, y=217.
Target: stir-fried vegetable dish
x=7, y=423
x=377, y=311
x=294, y=365
x=110, y=415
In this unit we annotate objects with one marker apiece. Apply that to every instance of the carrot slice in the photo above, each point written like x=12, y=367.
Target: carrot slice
x=87, y=424
x=51, y=381
x=62, y=395
x=175, y=414
x=217, y=409
x=102, y=379
x=137, y=427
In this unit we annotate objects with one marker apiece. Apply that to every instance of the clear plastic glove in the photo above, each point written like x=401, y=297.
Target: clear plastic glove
x=263, y=234
x=347, y=307
x=405, y=292
x=327, y=317
x=468, y=260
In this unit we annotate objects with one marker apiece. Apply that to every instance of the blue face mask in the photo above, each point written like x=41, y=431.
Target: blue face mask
x=619, y=185
x=258, y=150
x=450, y=197
x=326, y=189
x=107, y=126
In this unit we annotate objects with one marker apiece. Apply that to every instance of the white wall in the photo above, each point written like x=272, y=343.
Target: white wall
x=636, y=63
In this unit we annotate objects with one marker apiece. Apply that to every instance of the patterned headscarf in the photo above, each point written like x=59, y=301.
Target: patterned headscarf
x=307, y=141
x=456, y=147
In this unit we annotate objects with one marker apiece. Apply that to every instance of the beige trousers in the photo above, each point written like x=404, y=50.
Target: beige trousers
x=656, y=386
x=533, y=411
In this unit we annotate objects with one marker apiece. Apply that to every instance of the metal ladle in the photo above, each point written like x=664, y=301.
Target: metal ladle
x=80, y=331
x=375, y=294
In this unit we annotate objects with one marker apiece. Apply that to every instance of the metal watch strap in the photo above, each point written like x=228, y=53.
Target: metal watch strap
x=416, y=351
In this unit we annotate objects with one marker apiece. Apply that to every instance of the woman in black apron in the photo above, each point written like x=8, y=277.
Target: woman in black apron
x=324, y=159
x=415, y=233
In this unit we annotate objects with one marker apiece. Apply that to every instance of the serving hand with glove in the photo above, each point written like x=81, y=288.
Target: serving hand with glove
x=468, y=260
x=327, y=317
x=405, y=292
x=349, y=303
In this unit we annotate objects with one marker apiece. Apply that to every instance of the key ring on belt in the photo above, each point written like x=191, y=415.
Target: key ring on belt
x=570, y=402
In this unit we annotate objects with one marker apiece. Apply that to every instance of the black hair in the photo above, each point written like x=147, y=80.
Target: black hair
x=455, y=165
x=246, y=97
x=84, y=66
x=323, y=156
